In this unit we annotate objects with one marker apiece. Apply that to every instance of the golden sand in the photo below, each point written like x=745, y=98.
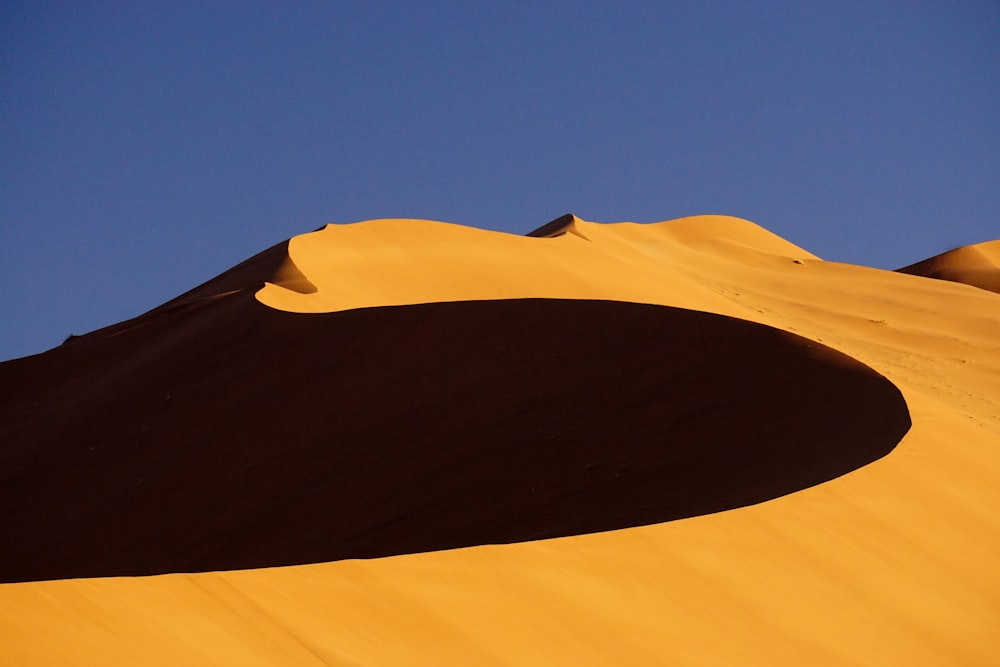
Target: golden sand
x=977, y=265
x=893, y=564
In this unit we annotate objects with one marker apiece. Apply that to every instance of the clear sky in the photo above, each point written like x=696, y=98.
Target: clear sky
x=147, y=146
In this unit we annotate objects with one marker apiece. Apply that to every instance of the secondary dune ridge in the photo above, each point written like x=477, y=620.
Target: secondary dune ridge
x=977, y=265
x=890, y=564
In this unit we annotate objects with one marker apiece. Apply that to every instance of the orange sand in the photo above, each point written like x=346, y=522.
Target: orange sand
x=977, y=265
x=892, y=564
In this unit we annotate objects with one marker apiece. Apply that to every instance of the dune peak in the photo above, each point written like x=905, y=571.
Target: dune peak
x=977, y=265
x=556, y=227
x=825, y=435
x=410, y=261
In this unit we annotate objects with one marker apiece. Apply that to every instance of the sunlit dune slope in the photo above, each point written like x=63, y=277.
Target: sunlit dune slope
x=396, y=262
x=977, y=265
x=889, y=561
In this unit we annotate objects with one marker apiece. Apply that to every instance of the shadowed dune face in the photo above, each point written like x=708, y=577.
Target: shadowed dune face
x=226, y=435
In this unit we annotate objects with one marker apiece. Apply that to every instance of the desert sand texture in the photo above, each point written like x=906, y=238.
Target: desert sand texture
x=837, y=427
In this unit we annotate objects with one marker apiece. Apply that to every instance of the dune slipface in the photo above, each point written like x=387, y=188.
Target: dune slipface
x=404, y=386
x=233, y=436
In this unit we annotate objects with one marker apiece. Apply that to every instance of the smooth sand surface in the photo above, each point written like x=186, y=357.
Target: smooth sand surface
x=893, y=563
x=977, y=265
x=396, y=262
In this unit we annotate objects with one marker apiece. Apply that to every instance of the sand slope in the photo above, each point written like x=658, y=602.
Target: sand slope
x=889, y=564
x=977, y=265
x=396, y=262
x=416, y=428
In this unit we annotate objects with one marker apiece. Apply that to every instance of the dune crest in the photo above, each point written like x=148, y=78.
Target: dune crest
x=977, y=265
x=405, y=262
x=272, y=265
x=890, y=564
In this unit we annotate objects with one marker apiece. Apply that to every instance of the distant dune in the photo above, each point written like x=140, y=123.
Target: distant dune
x=977, y=265
x=412, y=442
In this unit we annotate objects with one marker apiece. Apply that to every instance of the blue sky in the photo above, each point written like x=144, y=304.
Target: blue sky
x=147, y=146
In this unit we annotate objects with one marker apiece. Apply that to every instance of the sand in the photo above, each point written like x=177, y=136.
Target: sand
x=977, y=265
x=416, y=428
x=888, y=563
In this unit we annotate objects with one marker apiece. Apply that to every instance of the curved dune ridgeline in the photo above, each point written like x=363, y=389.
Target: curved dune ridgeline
x=394, y=262
x=231, y=436
x=408, y=386
x=977, y=265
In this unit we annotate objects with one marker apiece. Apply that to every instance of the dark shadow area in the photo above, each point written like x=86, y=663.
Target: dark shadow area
x=555, y=227
x=226, y=435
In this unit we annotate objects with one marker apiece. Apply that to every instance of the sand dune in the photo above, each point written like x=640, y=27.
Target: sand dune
x=977, y=265
x=402, y=262
x=705, y=361
x=415, y=428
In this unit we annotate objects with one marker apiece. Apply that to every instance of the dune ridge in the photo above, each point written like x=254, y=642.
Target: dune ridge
x=976, y=265
x=405, y=262
x=890, y=564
